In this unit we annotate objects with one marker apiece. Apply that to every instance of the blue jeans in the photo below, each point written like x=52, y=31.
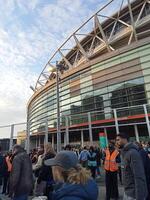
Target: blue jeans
x=22, y=197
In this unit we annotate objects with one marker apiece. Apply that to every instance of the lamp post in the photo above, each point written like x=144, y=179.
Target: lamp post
x=57, y=69
x=58, y=109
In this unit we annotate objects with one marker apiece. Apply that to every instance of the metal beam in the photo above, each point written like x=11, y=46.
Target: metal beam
x=102, y=33
x=132, y=20
x=66, y=60
x=80, y=47
x=141, y=11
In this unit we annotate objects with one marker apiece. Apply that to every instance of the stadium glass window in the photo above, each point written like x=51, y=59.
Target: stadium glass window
x=115, y=87
x=65, y=102
x=101, y=91
x=76, y=109
x=136, y=81
x=86, y=89
x=135, y=95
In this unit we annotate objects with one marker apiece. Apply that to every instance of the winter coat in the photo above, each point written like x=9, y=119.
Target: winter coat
x=45, y=173
x=146, y=163
x=21, y=177
x=77, y=192
x=133, y=173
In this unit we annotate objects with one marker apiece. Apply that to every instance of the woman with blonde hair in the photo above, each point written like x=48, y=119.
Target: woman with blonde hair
x=76, y=182
x=44, y=184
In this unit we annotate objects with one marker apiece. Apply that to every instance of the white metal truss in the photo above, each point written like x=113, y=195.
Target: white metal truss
x=100, y=37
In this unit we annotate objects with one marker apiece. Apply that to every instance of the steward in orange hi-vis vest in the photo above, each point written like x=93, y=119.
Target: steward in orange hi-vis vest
x=110, y=161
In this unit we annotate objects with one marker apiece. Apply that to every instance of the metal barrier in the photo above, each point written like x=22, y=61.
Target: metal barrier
x=118, y=117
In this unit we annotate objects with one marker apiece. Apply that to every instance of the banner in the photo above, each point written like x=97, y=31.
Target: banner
x=102, y=140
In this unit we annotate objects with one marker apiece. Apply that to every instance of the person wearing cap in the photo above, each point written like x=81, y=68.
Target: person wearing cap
x=134, y=179
x=77, y=183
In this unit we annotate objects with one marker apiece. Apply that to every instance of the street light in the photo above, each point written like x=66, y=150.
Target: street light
x=32, y=88
x=58, y=68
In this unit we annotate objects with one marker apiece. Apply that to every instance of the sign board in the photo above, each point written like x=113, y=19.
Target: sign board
x=102, y=140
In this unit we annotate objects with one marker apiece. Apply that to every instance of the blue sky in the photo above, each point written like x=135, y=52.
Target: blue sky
x=30, y=32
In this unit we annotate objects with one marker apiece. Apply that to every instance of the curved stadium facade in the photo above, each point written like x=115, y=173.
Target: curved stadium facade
x=105, y=82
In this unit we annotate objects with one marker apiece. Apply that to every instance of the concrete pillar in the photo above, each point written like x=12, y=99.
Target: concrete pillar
x=105, y=131
x=36, y=142
x=28, y=136
x=82, y=138
x=116, y=121
x=136, y=133
x=46, y=132
x=52, y=140
x=147, y=119
x=66, y=134
x=39, y=141
x=90, y=128
x=11, y=137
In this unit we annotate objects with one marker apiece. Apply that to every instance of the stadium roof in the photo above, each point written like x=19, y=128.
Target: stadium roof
x=99, y=35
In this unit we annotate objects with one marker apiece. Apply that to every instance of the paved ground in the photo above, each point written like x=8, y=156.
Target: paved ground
x=101, y=185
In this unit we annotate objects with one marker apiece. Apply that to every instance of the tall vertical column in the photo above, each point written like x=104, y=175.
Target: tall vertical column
x=82, y=138
x=39, y=141
x=58, y=111
x=52, y=140
x=67, y=131
x=90, y=128
x=46, y=132
x=65, y=143
x=105, y=131
x=36, y=142
x=116, y=121
x=28, y=136
x=136, y=133
x=11, y=137
x=147, y=119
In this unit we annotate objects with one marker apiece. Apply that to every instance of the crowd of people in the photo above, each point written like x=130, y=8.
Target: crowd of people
x=71, y=174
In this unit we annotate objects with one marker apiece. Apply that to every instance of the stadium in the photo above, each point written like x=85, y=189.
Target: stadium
x=104, y=79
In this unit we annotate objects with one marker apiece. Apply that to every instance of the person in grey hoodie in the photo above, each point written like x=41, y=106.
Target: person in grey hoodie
x=135, y=187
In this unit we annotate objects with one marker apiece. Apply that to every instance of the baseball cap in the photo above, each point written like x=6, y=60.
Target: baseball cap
x=64, y=159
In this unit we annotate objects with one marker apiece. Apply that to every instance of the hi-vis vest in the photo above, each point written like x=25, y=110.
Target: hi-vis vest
x=9, y=165
x=110, y=161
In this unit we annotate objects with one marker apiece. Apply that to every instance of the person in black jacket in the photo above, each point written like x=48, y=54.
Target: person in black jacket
x=21, y=176
x=1, y=168
x=146, y=163
x=134, y=179
x=92, y=161
x=45, y=178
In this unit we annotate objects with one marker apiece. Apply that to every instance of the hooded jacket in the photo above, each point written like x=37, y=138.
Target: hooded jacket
x=133, y=173
x=77, y=192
